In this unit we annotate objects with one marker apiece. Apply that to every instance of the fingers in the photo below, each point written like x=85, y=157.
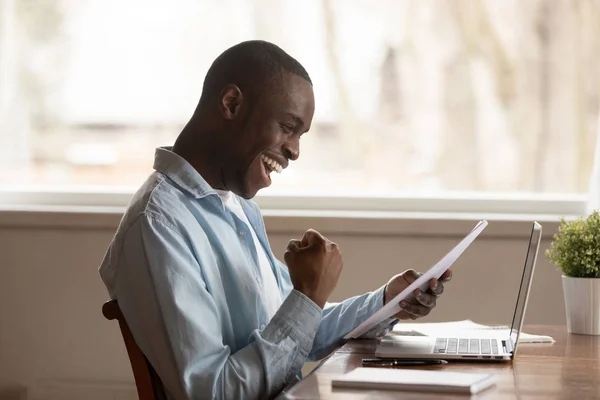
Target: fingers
x=425, y=299
x=293, y=245
x=410, y=275
x=332, y=246
x=292, y=249
x=419, y=306
x=311, y=241
x=446, y=276
x=414, y=309
x=288, y=256
x=436, y=287
x=421, y=303
x=311, y=237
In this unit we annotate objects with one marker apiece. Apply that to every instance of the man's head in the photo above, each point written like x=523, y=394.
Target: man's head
x=256, y=103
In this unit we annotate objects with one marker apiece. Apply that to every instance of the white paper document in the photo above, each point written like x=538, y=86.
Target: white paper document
x=421, y=283
x=464, y=328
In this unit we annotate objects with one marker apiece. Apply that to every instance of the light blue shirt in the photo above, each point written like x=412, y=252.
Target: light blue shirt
x=185, y=272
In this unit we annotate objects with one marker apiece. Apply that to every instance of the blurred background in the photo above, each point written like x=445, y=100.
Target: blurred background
x=431, y=115
x=412, y=96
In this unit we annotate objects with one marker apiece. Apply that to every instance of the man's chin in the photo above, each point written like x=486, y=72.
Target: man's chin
x=247, y=196
x=249, y=192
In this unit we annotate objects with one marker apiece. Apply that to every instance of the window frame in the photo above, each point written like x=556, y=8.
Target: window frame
x=45, y=198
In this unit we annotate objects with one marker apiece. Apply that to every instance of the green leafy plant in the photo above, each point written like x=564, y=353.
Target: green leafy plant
x=576, y=247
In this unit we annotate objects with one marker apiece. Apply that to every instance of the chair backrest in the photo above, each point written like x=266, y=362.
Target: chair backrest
x=149, y=386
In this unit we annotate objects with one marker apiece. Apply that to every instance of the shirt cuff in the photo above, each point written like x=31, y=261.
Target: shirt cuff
x=382, y=328
x=373, y=303
x=299, y=318
x=380, y=295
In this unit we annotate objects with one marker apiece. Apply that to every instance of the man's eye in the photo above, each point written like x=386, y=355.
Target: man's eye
x=286, y=127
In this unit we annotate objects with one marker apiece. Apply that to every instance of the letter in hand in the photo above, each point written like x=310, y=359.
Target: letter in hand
x=315, y=264
x=420, y=303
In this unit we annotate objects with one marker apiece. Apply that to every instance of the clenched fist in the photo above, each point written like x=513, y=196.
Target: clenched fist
x=315, y=264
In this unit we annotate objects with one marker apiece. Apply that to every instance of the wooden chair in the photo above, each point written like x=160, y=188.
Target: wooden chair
x=149, y=386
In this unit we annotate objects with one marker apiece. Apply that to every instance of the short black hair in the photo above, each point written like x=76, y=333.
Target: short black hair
x=251, y=65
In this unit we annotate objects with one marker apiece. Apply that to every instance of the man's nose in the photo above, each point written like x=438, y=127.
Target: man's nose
x=291, y=149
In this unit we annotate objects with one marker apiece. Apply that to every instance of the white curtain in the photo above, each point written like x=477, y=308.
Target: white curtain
x=594, y=195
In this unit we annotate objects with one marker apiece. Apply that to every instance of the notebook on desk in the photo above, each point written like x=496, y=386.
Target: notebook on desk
x=417, y=380
x=484, y=345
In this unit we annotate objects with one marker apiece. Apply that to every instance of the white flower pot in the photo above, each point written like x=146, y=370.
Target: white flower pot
x=582, y=303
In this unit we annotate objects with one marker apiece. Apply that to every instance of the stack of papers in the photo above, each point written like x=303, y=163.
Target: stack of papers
x=462, y=329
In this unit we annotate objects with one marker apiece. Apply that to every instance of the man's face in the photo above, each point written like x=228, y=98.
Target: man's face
x=267, y=134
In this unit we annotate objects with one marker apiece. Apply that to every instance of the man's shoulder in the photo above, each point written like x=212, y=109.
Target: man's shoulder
x=158, y=199
x=158, y=202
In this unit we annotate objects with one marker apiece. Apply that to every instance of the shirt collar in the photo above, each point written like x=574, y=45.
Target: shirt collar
x=181, y=172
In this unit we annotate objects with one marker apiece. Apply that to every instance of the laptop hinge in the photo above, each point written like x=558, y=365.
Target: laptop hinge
x=508, y=345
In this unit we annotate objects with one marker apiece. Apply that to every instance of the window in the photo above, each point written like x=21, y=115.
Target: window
x=412, y=97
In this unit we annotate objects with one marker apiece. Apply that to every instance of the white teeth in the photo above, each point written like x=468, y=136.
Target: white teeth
x=272, y=163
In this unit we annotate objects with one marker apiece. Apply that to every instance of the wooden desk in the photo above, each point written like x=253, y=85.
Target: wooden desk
x=567, y=369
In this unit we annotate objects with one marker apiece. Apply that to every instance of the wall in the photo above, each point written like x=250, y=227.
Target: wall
x=55, y=344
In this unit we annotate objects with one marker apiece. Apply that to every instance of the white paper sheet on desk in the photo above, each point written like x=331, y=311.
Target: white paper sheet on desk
x=422, y=283
x=465, y=328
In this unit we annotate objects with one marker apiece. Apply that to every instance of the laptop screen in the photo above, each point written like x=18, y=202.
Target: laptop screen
x=530, y=259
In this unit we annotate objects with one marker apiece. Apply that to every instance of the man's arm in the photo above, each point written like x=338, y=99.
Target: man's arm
x=340, y=318
x=176, y=323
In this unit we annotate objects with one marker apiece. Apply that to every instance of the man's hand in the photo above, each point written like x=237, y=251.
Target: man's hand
x=421, y=303
x=315, y=264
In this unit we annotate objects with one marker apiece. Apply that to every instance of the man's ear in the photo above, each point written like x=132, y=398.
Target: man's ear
x=230, y=100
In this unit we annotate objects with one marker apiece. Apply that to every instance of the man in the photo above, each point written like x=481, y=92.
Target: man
x=207, y=302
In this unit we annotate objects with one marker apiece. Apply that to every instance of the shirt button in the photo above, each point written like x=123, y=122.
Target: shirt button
x=241, y=232
x=262, y=327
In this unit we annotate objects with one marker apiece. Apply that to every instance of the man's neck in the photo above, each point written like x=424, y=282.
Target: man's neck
x=208, y=163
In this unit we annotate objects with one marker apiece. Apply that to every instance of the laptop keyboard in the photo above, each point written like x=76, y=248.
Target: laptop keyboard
x=465, y=346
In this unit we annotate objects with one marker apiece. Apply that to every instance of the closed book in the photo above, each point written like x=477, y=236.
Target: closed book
x=415, y=380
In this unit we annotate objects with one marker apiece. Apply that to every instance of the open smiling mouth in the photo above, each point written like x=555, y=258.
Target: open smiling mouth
x=270, y=164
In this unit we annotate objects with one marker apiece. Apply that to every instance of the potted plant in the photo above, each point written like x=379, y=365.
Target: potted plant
x=576, y=252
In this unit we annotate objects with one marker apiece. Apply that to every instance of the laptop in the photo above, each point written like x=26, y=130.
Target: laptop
x=494, y=346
